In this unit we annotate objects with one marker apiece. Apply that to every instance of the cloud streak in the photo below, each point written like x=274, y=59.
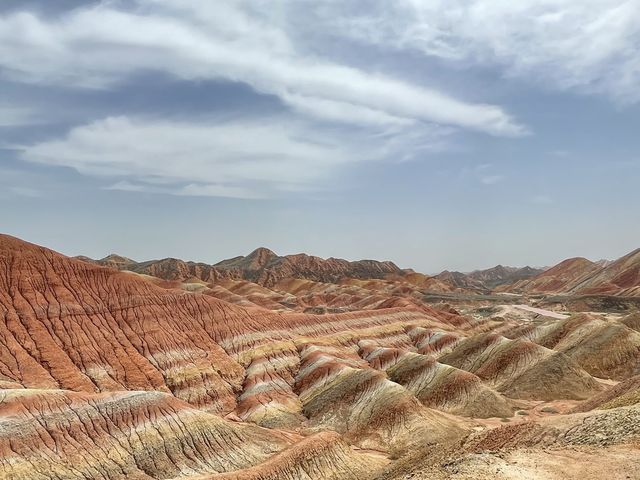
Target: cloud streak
x=588, y=46
x=99, y=47
x=241, y=158
x=491, y=179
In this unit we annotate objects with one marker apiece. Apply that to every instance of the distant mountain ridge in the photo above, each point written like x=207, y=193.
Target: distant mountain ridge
x=584, y=277
x=488, y=279
x=574, y=276
x=262, y=266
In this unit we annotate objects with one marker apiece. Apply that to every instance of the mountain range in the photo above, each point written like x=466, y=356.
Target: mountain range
x=281, y=368
x=582, y=276
x=265, y=268
x=490, y=278
x=262, y=266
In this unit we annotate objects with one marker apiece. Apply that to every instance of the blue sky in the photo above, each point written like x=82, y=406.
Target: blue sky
x=437, y=134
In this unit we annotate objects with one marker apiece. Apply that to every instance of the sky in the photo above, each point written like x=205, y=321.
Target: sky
x=439, y=134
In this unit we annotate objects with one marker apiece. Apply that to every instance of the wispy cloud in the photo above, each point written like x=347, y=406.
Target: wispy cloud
x=188, y=190
x=24, y=191
x=491, y=179
x=242, y=158
x=484, y=173
x=589, y=46
x=483, y=166
x=99, y=46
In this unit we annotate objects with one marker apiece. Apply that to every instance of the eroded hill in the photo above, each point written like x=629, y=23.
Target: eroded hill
x=162, y=374
x=579, y=276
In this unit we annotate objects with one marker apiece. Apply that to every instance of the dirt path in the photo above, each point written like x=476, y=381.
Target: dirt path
x=541, y=311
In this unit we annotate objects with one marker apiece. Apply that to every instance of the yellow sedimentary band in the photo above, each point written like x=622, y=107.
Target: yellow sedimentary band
x=130, y=433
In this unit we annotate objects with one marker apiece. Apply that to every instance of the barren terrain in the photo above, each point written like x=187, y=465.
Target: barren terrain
x=268, y=367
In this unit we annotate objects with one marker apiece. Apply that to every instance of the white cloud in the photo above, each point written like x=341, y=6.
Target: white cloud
x=491, y=179
x=483, y=166
x=189, y=190
x=344, y=112
x=24, y=191
x=229, y=40
x=233, y=158
x=590, y=46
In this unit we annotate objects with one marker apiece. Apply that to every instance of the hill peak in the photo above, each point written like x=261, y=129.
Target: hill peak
x=115, y=258
x=262, y=252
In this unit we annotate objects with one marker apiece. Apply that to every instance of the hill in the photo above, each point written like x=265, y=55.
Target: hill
x=113, y=374
x=262, y=266
x=579, y=276
x=488, y=279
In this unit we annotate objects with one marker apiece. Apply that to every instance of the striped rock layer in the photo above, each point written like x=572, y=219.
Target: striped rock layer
x=112, y=374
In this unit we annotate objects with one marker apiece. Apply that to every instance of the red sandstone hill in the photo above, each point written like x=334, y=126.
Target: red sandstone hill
x=115, y=375
x=582, y=276
x=226, y=281
x=620, y=277
x=71, y=330
x=563, y=277
x=262, y=266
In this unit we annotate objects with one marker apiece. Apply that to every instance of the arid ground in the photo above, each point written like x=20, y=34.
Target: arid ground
x=268, y=367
